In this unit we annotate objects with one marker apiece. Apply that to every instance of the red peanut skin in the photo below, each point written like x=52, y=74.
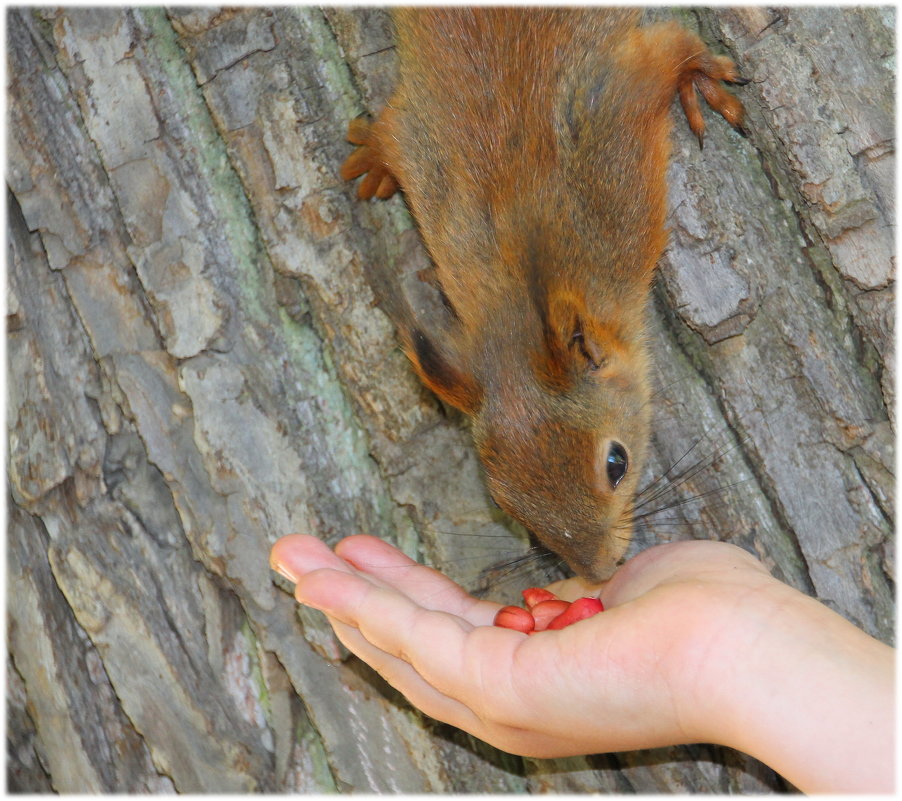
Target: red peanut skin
x=513, y=617
x=580, y=609
x=535, y=595
x=546, y=611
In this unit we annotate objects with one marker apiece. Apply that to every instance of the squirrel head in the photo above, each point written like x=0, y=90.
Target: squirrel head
x=560, y=418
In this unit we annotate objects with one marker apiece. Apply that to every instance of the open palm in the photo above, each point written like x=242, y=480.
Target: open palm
x=636, y=676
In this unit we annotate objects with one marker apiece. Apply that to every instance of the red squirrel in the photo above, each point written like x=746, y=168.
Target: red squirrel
x=531, y=146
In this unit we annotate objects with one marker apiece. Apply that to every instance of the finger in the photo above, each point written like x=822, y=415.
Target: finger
x=297, y=554
x=424, y=585
x=448, y=652
x=528, y=741
x=692, y=110
x=356, y=164
x=370, y=182
x=726, y=104
x=404, y=678
x=387, y=186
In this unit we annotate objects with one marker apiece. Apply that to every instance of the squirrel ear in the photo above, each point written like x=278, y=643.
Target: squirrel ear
x=438, y=373
x=574, y=342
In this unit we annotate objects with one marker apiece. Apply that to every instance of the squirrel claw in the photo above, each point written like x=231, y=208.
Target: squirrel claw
x=367, y=160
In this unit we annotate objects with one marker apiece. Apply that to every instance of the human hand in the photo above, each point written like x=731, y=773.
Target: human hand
x=698, y=643
x=632, y=677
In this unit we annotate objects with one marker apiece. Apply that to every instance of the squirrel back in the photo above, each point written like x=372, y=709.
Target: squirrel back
x=532, y=147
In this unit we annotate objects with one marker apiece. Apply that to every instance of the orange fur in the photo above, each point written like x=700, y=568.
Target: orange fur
x=532, y=145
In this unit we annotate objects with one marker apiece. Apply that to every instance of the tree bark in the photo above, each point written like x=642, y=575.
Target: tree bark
x=201, y=360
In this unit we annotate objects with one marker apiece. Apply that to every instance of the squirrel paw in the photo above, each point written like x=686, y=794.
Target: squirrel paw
x=706, y=72
x=366, y=158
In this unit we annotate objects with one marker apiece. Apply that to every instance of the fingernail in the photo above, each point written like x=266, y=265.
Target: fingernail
x=283, y=571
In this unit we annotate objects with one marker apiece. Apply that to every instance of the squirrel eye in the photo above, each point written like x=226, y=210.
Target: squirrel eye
x=617, y=463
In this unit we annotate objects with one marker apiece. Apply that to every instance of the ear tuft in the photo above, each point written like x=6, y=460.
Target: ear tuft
x=575, y=343
x=438, y=371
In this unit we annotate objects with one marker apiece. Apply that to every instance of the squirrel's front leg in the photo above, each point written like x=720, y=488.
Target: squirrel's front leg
x=684, y=64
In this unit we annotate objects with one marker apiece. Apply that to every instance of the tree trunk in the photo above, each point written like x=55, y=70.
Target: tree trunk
x=200, y=361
